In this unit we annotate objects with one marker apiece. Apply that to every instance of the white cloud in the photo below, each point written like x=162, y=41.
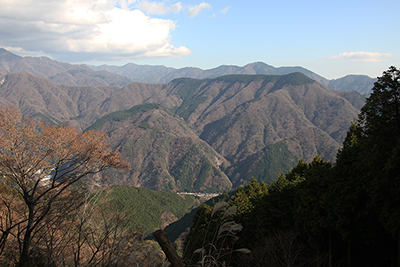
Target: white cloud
x=225, y=10
x=159, y=8
x=103, y=28
x=363, y=56
x=193, y=11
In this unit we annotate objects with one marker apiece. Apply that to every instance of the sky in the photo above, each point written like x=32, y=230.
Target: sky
x=332, y=38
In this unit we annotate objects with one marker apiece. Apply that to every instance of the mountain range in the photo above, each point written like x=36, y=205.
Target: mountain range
x=191, y=134
x=84, y=75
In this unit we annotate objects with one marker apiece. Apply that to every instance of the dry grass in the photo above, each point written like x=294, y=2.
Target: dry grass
x=219, y=251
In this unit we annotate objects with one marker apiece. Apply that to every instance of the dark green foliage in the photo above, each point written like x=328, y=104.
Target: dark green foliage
x=245, y=78
x=188, y=87
x=277, y=158
x=145, y=206
x=144, y=125
x=381, y=113
x=190, y=84
x=378, y=147
x=247, y=102
x=185, y=170
x=364, y=194
x=189, y=106
x=192, y=172
x=311, y=200
x=295, y=78
x=298, y=172
x=45, y=118
x=123, y=115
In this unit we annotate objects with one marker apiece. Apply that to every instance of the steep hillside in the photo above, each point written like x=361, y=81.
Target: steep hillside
x=258, y=125
x=243, y=116
x=34, y=95
x=163, y=151
x=254, y=119
x=79, y=106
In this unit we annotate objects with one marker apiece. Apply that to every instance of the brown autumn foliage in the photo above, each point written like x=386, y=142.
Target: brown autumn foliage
x=40, y=167
x=82, y=230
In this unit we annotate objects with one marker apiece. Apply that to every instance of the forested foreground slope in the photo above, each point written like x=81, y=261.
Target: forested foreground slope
x=319, y=213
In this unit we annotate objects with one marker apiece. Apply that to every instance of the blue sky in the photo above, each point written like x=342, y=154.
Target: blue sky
x=331, y=38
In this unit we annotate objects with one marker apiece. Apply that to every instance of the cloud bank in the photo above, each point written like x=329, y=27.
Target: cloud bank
x=363, y=56
x=98, y=29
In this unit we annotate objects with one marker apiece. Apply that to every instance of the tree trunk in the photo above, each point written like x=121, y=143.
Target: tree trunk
x=167, y=247
x=23, y=259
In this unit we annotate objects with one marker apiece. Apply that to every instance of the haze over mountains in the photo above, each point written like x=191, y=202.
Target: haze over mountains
x=83, y=75
x=211, y=132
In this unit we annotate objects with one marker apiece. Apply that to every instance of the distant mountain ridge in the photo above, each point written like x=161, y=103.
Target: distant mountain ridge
x=359, y=83
x=58, y=72
x=161, y=74
x=104, y=75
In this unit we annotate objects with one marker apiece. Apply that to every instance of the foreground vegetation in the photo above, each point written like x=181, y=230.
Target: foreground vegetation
x=320, y=214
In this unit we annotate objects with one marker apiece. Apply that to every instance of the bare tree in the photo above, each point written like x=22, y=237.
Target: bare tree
x=39, y=164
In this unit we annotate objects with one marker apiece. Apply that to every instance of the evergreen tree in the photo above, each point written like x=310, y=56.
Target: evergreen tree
x=365, y=194
x=380, y=123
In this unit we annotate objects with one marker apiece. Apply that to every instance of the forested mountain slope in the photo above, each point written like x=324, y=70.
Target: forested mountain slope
x=164, y=152
x=249, y=120
x=240, y=116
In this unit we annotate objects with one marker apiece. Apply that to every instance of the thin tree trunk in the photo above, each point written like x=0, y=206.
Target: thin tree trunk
x=330, y=248
x=349, y=254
